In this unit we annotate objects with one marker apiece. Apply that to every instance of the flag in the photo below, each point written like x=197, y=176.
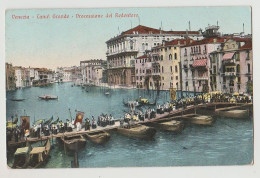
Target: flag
x=25, y=122
x=79, y=117
x=173, y=93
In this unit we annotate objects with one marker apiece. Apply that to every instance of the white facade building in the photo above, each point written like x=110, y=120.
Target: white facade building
x=123, y=49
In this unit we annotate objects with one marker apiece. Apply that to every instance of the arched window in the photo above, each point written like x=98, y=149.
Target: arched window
x=162, y=69
x=191, y=49
x=176, y=69
x=170, y=56
x=175, y=56
x=248, y=68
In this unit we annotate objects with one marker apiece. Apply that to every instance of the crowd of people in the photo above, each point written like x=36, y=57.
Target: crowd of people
x=132, y=116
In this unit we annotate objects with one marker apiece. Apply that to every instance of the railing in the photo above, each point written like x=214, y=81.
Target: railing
x=122, y=50
x=201, y=78
x=230, y=73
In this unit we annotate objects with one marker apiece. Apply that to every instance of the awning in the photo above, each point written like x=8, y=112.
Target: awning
x=200, y=63
x=228, y=56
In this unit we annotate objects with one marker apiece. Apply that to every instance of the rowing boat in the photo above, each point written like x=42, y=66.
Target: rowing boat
x=39, y=155
x=73, y=142
x=21, y=157
x=138, y=131
x=98, y=137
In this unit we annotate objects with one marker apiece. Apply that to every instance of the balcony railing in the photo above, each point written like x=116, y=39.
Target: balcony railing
x=201, y=78
x=230, y=73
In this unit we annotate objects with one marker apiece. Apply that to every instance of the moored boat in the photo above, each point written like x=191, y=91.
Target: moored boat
x=16, y=99
x=73, y=142
x=145, y=101
x=202, y=120
x=39, y=155
x=239, y=114
x=98, y=137
x=138, y=131
x=132, y=104
x=48, y=97
x=21, y=157
x=172, y=126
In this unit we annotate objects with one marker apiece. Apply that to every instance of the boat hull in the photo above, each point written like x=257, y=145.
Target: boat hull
x=139, y=131
x=170, y=126
x=239, y=114
x=202, y=120
x=73, y=144
x=99, y=138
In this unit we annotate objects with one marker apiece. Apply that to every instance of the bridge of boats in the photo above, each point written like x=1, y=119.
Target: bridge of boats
x=181, y=113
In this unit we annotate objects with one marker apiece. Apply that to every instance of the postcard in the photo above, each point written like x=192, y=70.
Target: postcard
x=129, y=87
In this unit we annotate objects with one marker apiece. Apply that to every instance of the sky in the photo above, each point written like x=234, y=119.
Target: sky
x=65, y=42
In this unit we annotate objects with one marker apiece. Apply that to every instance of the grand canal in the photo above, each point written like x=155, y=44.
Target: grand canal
x=227, y=142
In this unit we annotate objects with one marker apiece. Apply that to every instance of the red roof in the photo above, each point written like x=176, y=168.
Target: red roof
x=247, y=45
x=209, y=40
x=142, y=57
x=178, y=42
x=200, y=63
x=146, y=30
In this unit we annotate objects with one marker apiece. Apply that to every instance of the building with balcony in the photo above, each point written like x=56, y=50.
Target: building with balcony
x=167, y=59
x=124, y=48
x=195, y=61
x=10, y=79
x=231, y=66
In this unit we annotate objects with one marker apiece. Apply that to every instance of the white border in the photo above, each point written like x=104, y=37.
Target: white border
x=209, y=171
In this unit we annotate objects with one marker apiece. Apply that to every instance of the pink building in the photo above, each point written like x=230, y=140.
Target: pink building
x=143, y=68
x=232, y=66
x=195, y=62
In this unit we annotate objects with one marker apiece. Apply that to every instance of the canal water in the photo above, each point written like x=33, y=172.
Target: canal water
x=228, y=142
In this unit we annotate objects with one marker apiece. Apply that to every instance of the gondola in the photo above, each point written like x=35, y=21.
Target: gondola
x=98, y=137
x=15, y=99
x=73, y=142
x=39, y=155
x=144, y=101
x=48, y=121
x=56, y=121
x=137, y=131
x=48, y=97
x=133, y=103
